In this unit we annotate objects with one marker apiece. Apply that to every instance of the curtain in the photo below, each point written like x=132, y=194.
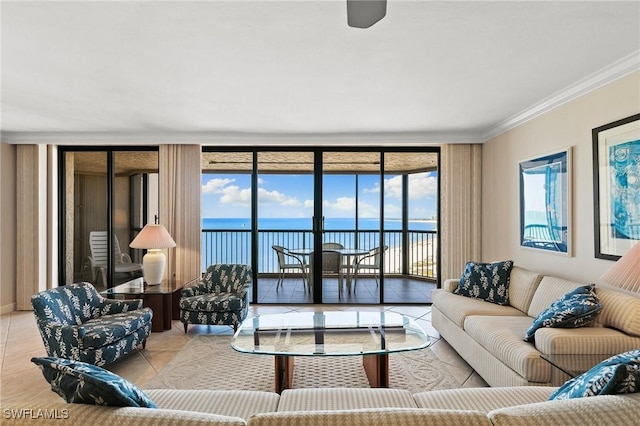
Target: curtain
x=31, y=223
x=180, y=208
x=461, y=206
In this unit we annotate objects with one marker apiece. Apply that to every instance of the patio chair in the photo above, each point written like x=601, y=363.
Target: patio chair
x=76, y=322
x=297, y=263
x=332, y=246
x=221, y=298
x=97, y=262
x=331, y=263
x=370, y=261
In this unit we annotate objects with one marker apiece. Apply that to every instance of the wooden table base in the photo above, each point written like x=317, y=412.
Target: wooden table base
x=375, y=366
x=284, y=373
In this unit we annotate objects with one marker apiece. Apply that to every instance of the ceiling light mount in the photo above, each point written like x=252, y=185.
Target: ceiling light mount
x=365, y=13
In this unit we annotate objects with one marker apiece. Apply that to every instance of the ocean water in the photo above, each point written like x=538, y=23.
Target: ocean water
x=304, y=224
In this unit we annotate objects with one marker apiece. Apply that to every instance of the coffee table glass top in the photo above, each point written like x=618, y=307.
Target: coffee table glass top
x=329, y=334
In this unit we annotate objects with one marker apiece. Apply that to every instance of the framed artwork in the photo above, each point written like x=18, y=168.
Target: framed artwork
x=545, y=203
x=616, y=187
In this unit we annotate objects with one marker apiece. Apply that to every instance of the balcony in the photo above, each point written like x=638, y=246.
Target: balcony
x=409, y=261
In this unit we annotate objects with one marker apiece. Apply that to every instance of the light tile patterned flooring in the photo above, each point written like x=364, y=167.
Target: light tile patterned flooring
x=20, y=340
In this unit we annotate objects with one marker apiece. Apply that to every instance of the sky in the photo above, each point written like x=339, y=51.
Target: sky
x=291, y=196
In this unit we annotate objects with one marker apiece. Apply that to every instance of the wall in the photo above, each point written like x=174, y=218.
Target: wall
x=568, y=125
x=7, y=227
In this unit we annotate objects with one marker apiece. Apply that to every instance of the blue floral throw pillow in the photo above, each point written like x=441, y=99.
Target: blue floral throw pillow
x=486, y=281
x=83, y=383
x=616, y=375
x=575, y=309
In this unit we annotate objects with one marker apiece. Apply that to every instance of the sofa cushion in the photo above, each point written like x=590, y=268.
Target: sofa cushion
x=550, y=290
x=457, y=308
x=372, y=417
x=344, y=399
x=212, y=302
x=108, y=329
x=603, y=341
x=619, y=410
x=615, y=375
x=83, y=383
x=234, y=403
x=482, y=399
x=522, y=286
x=502, y=337
x=575, y=309
x=486, y=281
x=619, y=310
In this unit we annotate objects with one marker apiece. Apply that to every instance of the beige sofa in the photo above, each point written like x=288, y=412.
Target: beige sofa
x=349, y=407
x=490, y=337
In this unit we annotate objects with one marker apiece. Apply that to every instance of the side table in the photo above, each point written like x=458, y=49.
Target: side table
x=163, y=298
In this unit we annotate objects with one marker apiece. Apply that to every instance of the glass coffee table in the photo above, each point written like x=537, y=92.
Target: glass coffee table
x=372, y=335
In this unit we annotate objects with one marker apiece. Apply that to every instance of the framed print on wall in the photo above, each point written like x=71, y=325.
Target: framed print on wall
x=616, y=187
x=545, y=202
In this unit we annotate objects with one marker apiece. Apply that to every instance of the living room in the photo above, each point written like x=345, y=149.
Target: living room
x=482, y=224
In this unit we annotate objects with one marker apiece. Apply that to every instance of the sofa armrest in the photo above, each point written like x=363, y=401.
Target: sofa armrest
x=113, y=306
x=450, y=285
x=584, y=340
x=60, y=339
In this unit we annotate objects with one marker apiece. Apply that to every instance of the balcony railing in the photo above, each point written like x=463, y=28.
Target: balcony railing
x=234, y=246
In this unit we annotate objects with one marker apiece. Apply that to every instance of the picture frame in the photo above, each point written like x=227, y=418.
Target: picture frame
x=616, y=187
x=545, y=202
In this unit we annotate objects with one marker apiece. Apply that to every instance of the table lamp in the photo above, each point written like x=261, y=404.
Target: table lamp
x=153, y=238
x=625, y=273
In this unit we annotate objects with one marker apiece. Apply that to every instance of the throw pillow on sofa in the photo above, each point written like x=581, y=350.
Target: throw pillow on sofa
x=82, y=383
x=575, y=309
x=486, y=281
x=616, y=375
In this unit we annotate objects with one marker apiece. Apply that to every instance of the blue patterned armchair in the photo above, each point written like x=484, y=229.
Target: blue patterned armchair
x=222, y=298
x=76, y=322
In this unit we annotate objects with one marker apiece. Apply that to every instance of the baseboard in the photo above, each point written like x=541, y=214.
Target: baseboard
x=5, y=309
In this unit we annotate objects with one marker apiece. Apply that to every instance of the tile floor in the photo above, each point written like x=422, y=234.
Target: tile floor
x=22, y=381
x=396, y=290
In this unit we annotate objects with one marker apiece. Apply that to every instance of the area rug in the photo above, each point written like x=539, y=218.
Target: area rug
x=209, y=362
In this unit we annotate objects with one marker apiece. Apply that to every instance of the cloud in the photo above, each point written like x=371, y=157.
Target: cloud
x=215, y=186
x=278, y=197
x=236, y=196
x=342, y=204
x=421, y=185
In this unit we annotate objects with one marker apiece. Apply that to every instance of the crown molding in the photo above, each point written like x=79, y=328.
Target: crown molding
x=238, y=138
x=609, y=74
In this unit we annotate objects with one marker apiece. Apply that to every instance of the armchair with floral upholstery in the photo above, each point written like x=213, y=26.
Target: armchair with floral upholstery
x=76, y=322
x=221, y=298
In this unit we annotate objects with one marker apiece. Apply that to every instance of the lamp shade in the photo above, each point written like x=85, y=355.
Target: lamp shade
x=625, y=273
x=153, y=237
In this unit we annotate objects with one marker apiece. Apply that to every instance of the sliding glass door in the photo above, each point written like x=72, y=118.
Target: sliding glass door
x=107, y=197
x=324, y=225
x=350, y=228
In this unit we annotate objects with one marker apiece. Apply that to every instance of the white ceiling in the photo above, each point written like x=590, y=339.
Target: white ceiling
x=292, y=71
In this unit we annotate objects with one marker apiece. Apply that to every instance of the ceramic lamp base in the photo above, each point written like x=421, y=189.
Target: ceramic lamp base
x=153, y=264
